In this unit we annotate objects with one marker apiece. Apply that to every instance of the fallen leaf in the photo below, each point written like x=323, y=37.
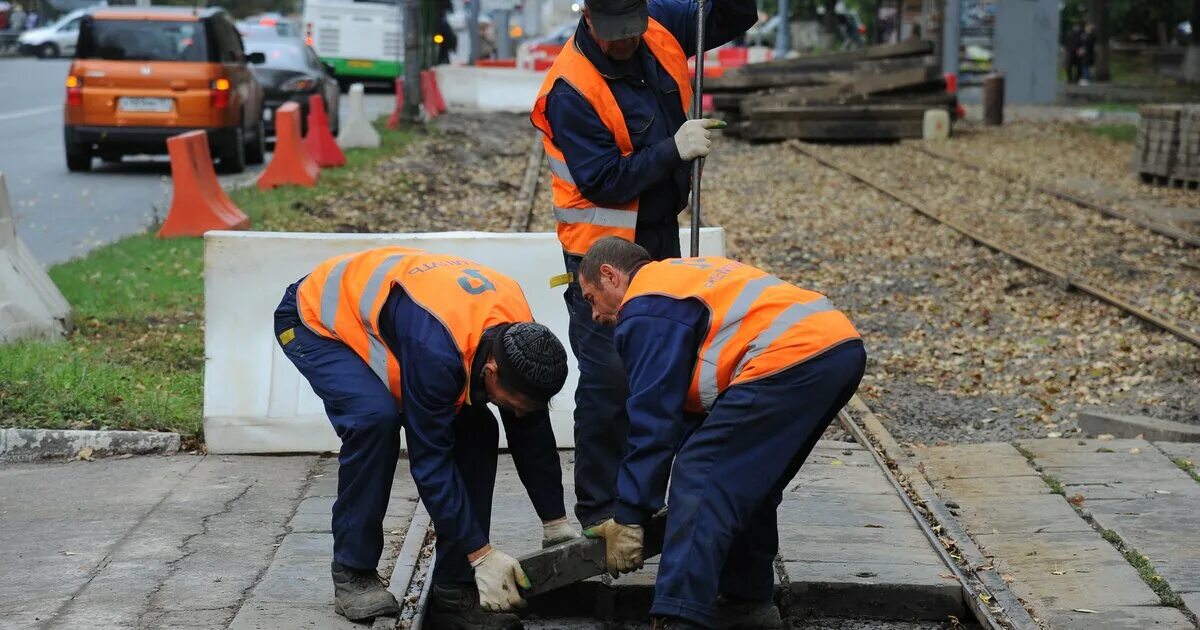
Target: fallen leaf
x=1054, y=434
x=85, y=453
x=1105, y=437
x=873, y=526
x=1162, y=492
x=866, y=574
x=1085, y=610
x=1076, y=499
x=837, y=462
x=1135, y=450
x=1104, y=450
x=1058, y=573
x=69, y=553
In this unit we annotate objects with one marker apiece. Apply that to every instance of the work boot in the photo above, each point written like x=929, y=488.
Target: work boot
x=673, y=623
x=360, y=595
x=456, y=607
x=741, y=614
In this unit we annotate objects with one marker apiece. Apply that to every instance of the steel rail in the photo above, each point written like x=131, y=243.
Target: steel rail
x=1183, y=237
x=985, y=593
x=1187, y=331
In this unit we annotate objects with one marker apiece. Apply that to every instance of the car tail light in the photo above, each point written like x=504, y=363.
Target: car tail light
x=74, y=90
x=267, y=22
x=220, y=93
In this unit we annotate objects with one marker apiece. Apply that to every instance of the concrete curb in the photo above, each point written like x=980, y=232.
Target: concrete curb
x=1095, y=422
x=27, y=445
x=405, y=568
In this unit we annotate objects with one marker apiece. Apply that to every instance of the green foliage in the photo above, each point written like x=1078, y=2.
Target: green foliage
x=1132, y=19
x=1117, y=132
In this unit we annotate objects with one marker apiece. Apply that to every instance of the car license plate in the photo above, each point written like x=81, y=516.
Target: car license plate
x=140, y=104
x=358, y=63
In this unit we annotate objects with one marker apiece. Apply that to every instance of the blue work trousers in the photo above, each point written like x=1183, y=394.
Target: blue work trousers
x=367, y=420
x=601, y=424
x=728, y=480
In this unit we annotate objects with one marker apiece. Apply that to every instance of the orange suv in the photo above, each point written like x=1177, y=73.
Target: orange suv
x=144, y=74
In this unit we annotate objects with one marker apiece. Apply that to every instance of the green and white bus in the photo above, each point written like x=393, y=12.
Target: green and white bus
x=361, y=39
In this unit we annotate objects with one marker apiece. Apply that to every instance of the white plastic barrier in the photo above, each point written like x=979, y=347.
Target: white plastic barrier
x=254, y=399
x=30, y=304
x=473, y=88
x=357, y=131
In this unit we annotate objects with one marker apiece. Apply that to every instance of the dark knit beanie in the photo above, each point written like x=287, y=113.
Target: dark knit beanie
x=531, y=359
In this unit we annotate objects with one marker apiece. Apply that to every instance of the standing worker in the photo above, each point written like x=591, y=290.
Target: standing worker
x=613, y=114
x=396, y=337
x=735, y=374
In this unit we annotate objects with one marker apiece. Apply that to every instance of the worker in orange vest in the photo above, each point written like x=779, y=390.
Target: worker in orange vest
x=735, y=374
x=613, y=112
x=396, y=337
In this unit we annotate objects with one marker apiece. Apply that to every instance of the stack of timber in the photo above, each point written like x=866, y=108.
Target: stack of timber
x=873, y=93
x=1167, y=149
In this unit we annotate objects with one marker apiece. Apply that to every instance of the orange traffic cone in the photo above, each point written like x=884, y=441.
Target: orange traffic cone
x=291, y=164
x=321, y=144
x=431, y=108
x=438, y=102
x=397, y=113
x=198, y=203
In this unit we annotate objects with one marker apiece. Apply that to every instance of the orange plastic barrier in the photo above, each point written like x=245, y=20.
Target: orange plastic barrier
x=432, y=96
x=291, y=164
x=397, y=113
x=321, y=144
x=198, y=203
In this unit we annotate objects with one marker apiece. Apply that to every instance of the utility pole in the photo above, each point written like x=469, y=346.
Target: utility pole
x=473, y=30
x=951, y=35
x=412, y=60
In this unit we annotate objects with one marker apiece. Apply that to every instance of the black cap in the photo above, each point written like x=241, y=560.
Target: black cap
x=531, y=360
x=618, y=19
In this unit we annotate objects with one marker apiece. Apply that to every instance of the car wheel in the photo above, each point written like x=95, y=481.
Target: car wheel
x=256, y=153
x=79, y=158
x=233, y=157
x=47, y=51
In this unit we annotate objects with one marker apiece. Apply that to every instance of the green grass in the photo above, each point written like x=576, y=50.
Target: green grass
x=1117, y=132
x=136, y=356
x=1055, y=485
x=1187, y=466
x=1145, y=569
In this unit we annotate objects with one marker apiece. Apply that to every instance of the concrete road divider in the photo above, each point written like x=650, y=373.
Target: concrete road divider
x=254, y=399
x=198, y=203
x=475, y=88
x=30, y=304
x=291, y=165
x=320, y=142
x=28, y=445
x=356, y=131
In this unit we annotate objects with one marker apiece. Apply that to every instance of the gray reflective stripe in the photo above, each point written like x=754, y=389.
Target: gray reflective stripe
x=790, y=316
x=729, y=325
x=377, y=352
x=606, y=217
x=331, y=294
x=560, y=170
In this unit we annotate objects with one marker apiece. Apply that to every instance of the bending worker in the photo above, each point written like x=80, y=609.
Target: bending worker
x=396, y=337
x=735, y=374
x=613, y=114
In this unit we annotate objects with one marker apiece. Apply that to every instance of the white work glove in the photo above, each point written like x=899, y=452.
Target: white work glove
x=694, y=140
x=623, y=551
x=559, y=531
x=497, y=576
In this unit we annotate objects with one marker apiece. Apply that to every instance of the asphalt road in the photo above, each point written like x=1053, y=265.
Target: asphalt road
x=63, y=215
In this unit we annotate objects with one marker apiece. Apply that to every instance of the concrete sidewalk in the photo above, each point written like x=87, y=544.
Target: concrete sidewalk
x=243, y=542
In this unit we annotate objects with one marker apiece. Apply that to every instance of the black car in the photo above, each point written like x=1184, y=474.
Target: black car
x=293, y=72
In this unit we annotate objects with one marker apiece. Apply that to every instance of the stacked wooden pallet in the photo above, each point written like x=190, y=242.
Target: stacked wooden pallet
x=1167, y=149
x=874, y=93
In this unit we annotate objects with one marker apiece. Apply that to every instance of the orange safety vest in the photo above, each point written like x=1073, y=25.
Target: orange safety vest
x=581, y=222
x=342, y=298
x=758, y=324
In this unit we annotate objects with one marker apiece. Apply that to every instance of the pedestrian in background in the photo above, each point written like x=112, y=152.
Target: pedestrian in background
x=1087, y=56
x=613, y=111
x=1073, y=49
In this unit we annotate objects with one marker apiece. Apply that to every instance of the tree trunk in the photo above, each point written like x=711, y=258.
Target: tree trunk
x=831, y=21
x=1098, y=15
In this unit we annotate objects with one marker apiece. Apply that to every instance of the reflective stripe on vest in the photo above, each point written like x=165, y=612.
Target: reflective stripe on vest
x=758, y=324
x=581, y=222
x=343, y=297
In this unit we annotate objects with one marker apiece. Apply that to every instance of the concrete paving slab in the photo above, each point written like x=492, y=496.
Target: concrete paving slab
x=148, y=531
x=271, y=616
x=1123, y=618
x=1041, y=513
x=1020, y=486
x=1181, y=450
x=1048, y=446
